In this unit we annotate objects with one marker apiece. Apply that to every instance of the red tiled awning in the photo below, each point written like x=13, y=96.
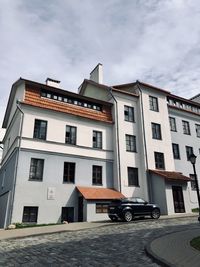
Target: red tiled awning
x=171, y=175
x=90, y=193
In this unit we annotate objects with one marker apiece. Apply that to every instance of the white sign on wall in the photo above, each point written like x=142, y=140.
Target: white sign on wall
x=51, y=193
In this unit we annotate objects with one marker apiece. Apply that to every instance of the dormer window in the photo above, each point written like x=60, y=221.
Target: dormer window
x=70, y=100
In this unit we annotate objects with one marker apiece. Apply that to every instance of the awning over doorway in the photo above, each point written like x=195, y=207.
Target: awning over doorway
x=171, y=175
x=94, y=193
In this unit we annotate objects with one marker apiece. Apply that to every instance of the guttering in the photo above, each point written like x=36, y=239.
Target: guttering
x=144, y=137
x=17, y=162
x=118, y=148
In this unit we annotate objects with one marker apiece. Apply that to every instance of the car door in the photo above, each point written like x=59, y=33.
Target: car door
x=142, y=207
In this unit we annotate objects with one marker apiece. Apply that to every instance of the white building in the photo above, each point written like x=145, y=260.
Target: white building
x=67, y=155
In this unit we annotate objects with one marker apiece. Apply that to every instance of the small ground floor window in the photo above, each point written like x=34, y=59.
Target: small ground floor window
x=30, y=214
x=101, y=207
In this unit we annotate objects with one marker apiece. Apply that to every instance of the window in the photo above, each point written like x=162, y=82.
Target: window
x=101, y=207
x=130, y=143
x=70, y=135
x=68, y=99
x=172, y=123
x=30, y=214
x=40, y=129
x=197, y=130
x=153, y=103
x=133, y=176
x=96, y=175
x=186, y=127
x=176, y=153
x=36, y=169
x=69, y=172
x=189, y=151
x=129, y=113
x=156, y=131
x=159, y=160
x=97, y=139
x=193, y=183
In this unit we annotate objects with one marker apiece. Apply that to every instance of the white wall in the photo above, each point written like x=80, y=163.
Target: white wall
x=91, y=212
x=19, y=96
x=159, y=194
x=169, y=197
x=56, y=133
x=131, y=159
x=34, y=193
x=183, y=140
x=161, y=117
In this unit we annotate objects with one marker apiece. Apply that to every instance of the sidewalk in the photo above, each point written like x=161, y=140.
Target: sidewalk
x=31, y=231
x=175, y=250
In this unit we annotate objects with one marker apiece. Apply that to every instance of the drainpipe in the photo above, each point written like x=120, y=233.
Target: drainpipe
x=118, y=152
x=144, y=138
x=17, y=162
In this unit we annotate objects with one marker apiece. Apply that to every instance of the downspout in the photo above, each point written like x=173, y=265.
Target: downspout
x=17, y=161
x=145, y=145
x=117, y=129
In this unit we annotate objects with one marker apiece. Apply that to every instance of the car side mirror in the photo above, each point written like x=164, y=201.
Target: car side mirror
x=146, y=202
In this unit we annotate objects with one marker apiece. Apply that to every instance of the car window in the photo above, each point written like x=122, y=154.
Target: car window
x=140, y=200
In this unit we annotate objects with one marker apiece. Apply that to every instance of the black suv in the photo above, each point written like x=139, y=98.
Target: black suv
x=128, y=208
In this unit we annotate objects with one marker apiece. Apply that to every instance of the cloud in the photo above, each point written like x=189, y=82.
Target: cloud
x=152, y=41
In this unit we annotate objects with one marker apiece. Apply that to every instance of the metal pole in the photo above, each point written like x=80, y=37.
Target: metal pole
x=197, y=188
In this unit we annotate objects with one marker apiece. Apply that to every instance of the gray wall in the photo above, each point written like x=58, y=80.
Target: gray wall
x=159, y=194
x=7, y=173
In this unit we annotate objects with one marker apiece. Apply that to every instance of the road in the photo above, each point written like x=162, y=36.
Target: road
x=113, y=245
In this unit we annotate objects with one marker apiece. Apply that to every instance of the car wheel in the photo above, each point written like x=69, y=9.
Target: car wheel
x=155, y=214
x=128, y=216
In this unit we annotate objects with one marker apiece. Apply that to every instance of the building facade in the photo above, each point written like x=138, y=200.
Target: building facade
x=67, y=155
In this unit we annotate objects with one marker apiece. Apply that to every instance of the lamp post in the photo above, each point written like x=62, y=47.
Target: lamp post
x=192, y=159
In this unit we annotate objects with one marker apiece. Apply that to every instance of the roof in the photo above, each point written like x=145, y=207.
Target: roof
x=94, y=193
x=32, y=97
x=196, y=96
x=189, y=101
x=120, y=86
x=103, y=86
x=171, y=175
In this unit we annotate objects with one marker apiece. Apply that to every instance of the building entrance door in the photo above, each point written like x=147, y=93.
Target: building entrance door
x=179, y=206
x=67, y=214
x=80, y=209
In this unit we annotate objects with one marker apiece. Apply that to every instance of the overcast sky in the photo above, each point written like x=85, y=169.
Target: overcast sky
x=154, y=41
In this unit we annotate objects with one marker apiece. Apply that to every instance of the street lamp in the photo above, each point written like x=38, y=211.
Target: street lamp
x=192, y=159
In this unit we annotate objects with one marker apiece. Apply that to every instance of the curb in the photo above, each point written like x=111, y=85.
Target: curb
x=157, y=259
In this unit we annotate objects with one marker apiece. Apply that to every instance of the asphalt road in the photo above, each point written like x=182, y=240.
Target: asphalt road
x=114, y=245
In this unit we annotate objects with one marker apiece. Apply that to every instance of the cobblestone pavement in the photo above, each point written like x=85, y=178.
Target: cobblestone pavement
x=112, y=245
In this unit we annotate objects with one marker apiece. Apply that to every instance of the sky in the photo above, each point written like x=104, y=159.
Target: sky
x=154, y=41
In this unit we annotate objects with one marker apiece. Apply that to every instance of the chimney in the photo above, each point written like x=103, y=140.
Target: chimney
x=53, y=83
x=97, y=74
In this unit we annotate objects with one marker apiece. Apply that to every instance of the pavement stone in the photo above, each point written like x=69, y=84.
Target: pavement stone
x=112, y=245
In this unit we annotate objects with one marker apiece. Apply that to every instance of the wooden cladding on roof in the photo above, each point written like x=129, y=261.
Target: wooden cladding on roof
x=33, y=98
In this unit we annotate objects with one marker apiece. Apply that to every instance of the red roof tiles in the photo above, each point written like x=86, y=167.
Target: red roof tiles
x=94, y=193
x=33, y=98
x=171, y=175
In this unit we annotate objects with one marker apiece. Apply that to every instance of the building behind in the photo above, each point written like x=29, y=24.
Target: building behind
x=67, y=155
